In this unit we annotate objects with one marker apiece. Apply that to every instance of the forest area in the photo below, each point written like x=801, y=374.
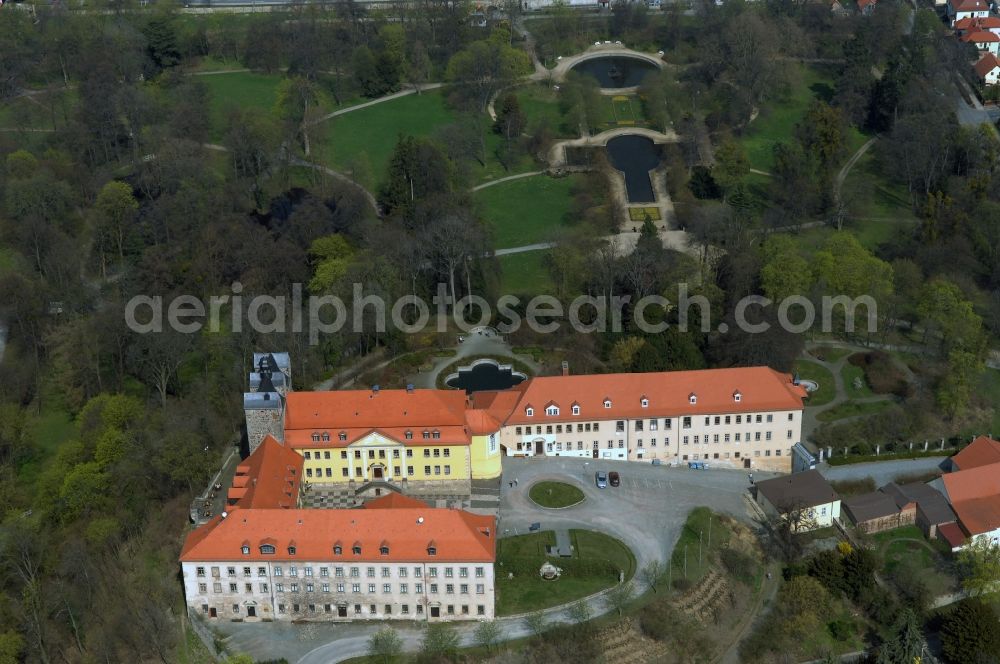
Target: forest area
x=122, y=175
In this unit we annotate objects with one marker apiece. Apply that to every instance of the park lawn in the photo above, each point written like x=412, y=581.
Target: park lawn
x=848, y=373
x=527, y=211
x=239, y=90
x=703, y=531
x=525, y=274
x=529, y=592
x=374, y=131
x=539, y=102
x=853, y=409
x=776, y=122
x=820, y=374
x=830, y=353
x=48, y=431
x=555, y=494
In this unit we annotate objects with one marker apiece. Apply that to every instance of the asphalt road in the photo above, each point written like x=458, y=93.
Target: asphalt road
x=646, y=512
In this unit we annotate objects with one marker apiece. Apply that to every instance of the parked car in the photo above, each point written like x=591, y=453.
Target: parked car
x=601, y=478
x=614, y=478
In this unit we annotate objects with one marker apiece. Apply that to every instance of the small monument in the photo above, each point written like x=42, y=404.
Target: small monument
x=549, y=572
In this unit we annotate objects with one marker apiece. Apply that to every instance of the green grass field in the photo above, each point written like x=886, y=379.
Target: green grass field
x=555, y=494
x=853, y=409
x=812, y=371
x=685, y=562
x=528, y=210
x=528, y=592
x=830, y=353
x=848, y=373
x=525, y=274
x=539, y=102
x=242, y=90
x=776, y=123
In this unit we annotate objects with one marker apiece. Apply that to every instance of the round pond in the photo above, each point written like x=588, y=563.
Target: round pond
x=616, y=71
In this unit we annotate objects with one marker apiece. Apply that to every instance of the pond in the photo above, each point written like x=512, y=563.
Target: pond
x=484, y=375
x=616, y=71
x=635, y=156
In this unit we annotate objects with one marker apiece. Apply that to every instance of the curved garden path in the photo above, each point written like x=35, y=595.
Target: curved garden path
x=378, y=100
x=559, y=72
x=517, y=176
x=557, y=153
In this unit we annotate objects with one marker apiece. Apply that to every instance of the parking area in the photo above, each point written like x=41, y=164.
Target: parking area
x=646, y=511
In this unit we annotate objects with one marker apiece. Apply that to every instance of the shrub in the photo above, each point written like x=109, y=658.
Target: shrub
x=740, y=565
x=841, y=630
x=854, y=487
x=882, y=374
x=682, y=584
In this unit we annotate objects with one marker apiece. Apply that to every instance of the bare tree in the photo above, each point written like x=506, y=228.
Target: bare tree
x=619, y=596
x=652, y=573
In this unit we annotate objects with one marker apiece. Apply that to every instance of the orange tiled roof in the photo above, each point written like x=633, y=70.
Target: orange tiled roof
x=457, y=536
x=968, y=5
x=977, y=22
x=980, y=452
x=986, y=64
x=394, y=500
x=481, y=422
x=367, y=409
x=862, y=4
x=979, y=515
x=449, y=435
x=952, y=533
x=273, y=474
x=668, y=394
x=975, y=497
x=499, y=404
x=980, y=37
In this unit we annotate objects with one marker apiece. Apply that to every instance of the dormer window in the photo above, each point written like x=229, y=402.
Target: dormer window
x=432, y=550
x=326, y=436
x=342, y=435
x=315, y=437
x=552, y=410
x=435, y=434
x=645, y=402
x=338, y=550
x=607, y=403
x=246, y=549
x=267, y=549
x=692, y=398
x=356, y=549
x=384, y=549
x=576, y=409
x=408, y=435
x=529, y=411
x=737, y=396
x=427, y=434
x=291, y=549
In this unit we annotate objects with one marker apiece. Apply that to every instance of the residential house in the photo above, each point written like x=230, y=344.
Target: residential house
x=973, y=491
x=806, y=500
x=933, y=511
x=987, y=24
x=866, y=7
x=959, y=9
x=983, y=40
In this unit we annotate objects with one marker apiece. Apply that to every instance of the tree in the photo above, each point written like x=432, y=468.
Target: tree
x=510, y=122
x=417, y=170
x=161, y=41
x=579, y=612
x=945, y=310
x=484, y=68
x=487, y=635
x=731, y=166
x=980, y=564
x=969, y=633
x=420, y=66
x=652, y=572
x=385, y=645
x=785, y=271
x=619, y=596
x=440, y=640
x=116, y=209
x=845, y=267
x=536, y=623
x=295, y=98
x=332, y=255
x=954, y=392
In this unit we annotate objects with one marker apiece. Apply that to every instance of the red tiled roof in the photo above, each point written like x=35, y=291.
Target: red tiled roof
x=457, y=536
x=451, y=435
x=977, y=22
x=499, y=404
x=952, y=534
x=367, y=409
x=979, y=515
x=980, y=37
x=986, y=64
x=481, y=422
x=968, y=5
x=980, y=452
x=394, y=500
x=668, y=393
x=862, y=4
x=272, y=479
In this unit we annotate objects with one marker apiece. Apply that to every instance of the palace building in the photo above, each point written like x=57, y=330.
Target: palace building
x=438, y=441
x=394, y=558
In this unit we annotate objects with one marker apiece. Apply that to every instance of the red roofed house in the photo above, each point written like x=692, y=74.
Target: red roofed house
x=974, y=492
x=266, y=559
x=983, y=40
x=988, y=24
x=866, y=7
x=988, y=69
x=959, y=9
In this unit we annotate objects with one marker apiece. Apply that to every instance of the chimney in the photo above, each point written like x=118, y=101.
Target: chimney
x=565, y=368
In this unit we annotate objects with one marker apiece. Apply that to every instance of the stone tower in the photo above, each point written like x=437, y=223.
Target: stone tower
x=264, y=404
